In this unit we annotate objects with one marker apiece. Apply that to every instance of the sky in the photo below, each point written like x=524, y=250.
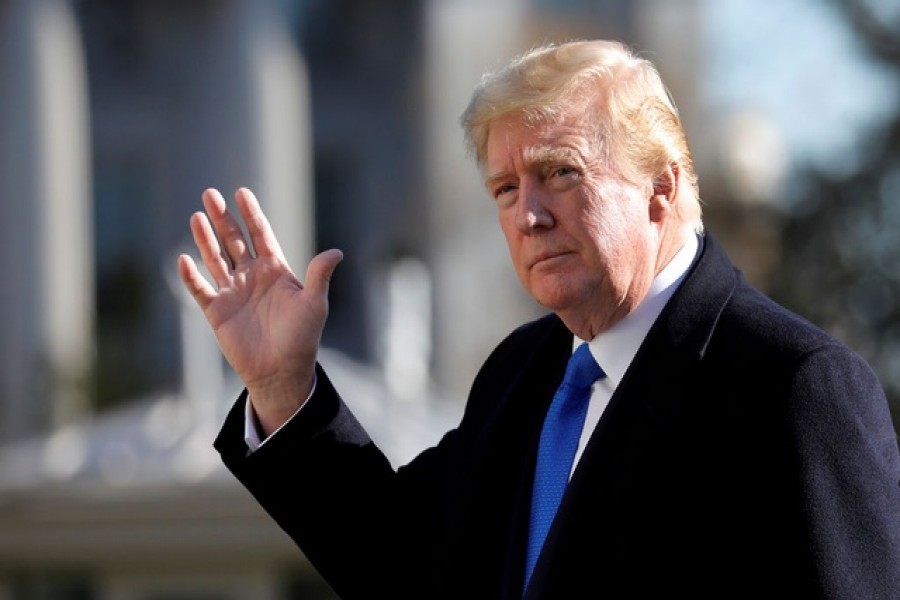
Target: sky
x=797, y=63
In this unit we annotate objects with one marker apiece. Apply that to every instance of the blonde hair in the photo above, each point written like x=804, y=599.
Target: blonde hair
x=636, y=123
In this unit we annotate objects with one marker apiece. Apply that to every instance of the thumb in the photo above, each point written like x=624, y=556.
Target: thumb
x=320, y=269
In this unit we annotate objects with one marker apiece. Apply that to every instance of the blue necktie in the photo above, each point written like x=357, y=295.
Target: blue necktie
x=556, y=452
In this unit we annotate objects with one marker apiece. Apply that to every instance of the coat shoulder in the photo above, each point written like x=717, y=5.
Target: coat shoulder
x=768, y=329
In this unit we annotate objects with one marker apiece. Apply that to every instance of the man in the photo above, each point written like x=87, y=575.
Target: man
x=729, y=448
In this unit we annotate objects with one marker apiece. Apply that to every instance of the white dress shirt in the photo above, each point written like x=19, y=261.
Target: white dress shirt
x=614, y=349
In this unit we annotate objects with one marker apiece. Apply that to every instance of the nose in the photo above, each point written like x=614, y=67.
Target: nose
x=532, y=212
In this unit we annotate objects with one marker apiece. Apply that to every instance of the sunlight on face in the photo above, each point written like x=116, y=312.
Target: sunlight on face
x=579, y=236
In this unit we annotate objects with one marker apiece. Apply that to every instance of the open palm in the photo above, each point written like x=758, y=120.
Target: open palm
x=267, y=323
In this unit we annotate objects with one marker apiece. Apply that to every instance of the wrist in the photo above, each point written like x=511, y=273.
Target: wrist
x=275, y=402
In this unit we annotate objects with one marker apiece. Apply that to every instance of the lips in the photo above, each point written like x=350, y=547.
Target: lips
x=548, y=258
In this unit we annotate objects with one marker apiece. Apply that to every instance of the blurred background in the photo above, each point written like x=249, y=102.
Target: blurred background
x=343, y=116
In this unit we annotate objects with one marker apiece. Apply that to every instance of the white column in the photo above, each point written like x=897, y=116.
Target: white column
x=245, y=121
x=45, y=232
x=256, y=123
x=478, y=298
x=280, y=117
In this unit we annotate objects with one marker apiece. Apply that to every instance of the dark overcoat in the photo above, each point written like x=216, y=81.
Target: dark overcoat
x=744, y=454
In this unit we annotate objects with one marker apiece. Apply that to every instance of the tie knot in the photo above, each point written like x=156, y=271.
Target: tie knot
x=582, y=370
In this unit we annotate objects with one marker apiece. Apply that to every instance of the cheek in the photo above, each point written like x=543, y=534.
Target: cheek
x=603, y=228
x=506, y=225
x=614, y=216
x=612, y=235
x=510, y=234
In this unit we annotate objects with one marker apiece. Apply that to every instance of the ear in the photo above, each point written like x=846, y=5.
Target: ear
x=665, y=192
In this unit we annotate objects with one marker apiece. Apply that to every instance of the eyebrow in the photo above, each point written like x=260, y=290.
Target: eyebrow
x=494, y=179
x=541, y=155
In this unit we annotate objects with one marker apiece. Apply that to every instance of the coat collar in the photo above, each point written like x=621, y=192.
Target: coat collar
x=689, y=320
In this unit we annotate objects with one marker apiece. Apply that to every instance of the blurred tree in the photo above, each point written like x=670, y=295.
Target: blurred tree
x=841, y=242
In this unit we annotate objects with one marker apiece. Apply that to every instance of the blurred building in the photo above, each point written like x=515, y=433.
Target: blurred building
x=343, y=117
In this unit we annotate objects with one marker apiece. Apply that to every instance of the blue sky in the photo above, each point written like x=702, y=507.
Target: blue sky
x=797, y=63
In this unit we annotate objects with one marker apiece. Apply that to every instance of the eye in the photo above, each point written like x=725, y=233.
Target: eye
x=563, y=178
x=503, y=190
x=564, y=172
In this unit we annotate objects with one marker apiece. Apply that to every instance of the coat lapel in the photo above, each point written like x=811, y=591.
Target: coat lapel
x=531, y=398
x=502, y=425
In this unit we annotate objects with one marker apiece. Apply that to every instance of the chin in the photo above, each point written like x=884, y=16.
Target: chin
x=556, y=289
x=556, y=300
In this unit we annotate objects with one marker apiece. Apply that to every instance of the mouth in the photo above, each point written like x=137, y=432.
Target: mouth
x=547, y=259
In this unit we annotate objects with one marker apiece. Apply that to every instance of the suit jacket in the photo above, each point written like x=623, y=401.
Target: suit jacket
x=745, y=454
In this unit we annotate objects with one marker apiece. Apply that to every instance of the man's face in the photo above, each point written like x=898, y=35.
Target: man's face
x=580, y=236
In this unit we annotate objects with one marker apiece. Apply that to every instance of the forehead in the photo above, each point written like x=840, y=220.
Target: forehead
x=512, y=138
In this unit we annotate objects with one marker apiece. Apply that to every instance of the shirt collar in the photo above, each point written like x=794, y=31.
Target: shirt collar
x=615, y=348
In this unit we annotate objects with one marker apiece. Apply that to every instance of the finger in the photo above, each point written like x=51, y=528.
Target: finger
x=210, y=251
x=261, y=235
x=226, y=227
x=320, y=270
x=200, y=289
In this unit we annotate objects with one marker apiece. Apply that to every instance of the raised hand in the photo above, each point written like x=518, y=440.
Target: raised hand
x=268, y=324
